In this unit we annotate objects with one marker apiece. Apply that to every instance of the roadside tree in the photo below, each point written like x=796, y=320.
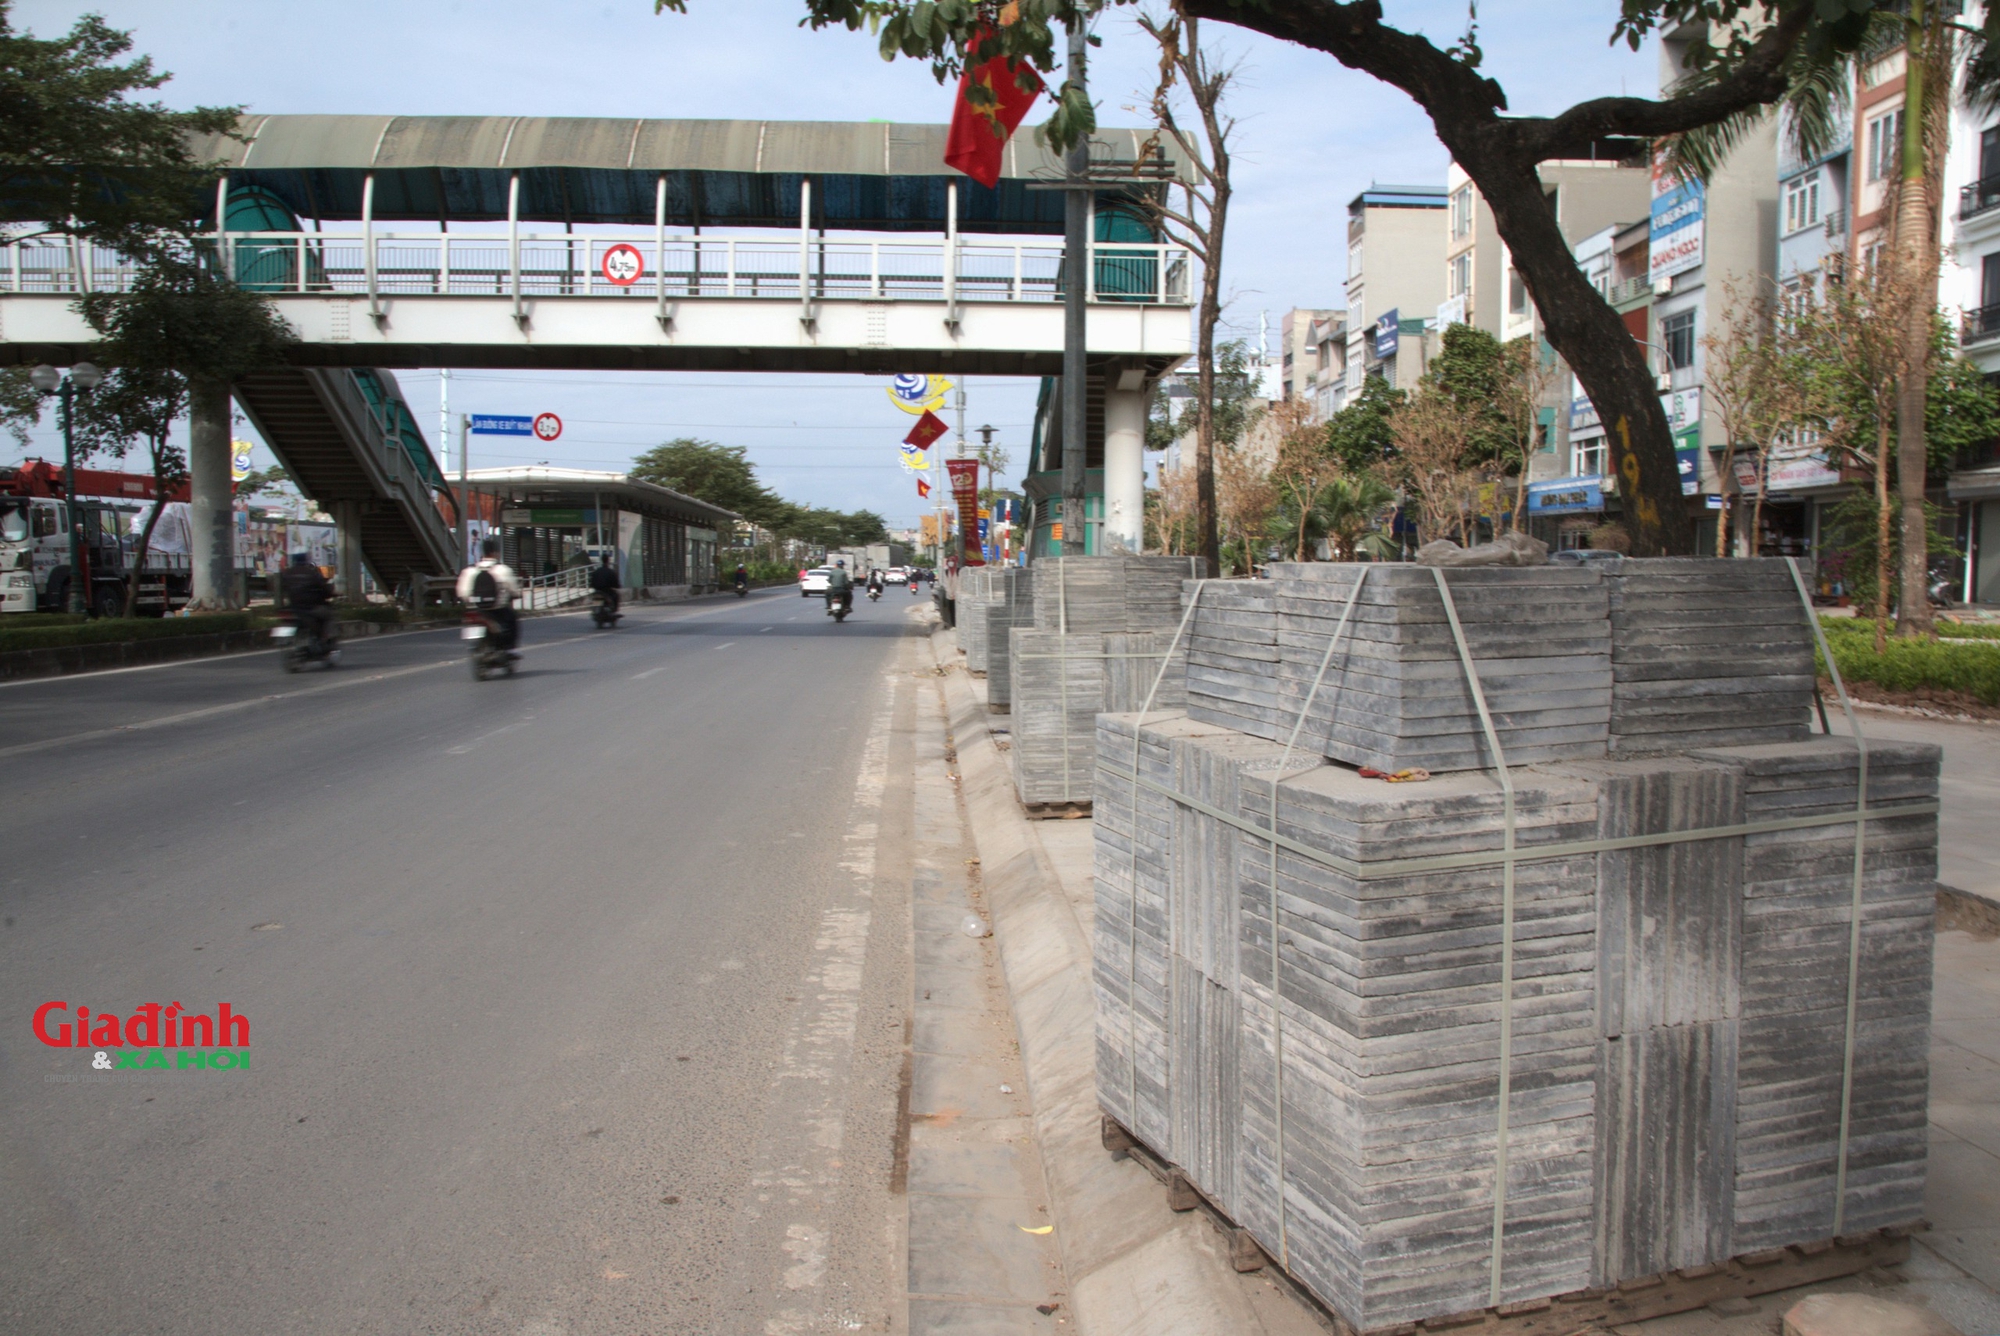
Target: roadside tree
x=175, y=339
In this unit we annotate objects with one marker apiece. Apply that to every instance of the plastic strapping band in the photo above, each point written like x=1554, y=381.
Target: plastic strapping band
x=1854, y=908
x=1506, y=933
x=1132, y=970
x=1277, y=985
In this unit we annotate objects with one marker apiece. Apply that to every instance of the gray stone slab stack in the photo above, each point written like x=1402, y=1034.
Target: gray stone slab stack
x=1102, y=626
x=1679, y=1010
x=1186, y=1090
x=1394, y=694
x=1706, y=653
x=1057, y=693
x=980, y=590
x=1015, y=607
x=1797, y=895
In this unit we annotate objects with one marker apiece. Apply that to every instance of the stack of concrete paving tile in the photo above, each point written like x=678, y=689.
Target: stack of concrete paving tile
x=1798, y=888
x=1679, y=1010
x=1102, y=628
x=1184, y=969
x=1390, y=1041
x=1010, y=603
x=980, y=588
x=1706, y=653
x=1394, y=695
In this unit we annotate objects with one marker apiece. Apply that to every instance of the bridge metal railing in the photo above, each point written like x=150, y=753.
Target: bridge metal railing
x=555, y=590
x=787, y=266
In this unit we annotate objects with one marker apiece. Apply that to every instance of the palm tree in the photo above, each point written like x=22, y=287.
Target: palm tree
x=1348, y=510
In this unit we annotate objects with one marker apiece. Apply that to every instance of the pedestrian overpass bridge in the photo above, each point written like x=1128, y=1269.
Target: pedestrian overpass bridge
x=398, y=242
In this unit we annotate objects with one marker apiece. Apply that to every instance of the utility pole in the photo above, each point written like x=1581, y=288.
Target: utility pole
x=464, y=496
x=959, y=450
x=444, y=418
x=1076, y=286
x=992, y=482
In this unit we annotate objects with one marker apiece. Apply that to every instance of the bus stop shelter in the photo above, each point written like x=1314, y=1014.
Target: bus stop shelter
x=551, y=519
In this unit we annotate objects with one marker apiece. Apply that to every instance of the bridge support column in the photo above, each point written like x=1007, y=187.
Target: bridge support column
x=213, y=554
x=347, y=549
x=1124, y=469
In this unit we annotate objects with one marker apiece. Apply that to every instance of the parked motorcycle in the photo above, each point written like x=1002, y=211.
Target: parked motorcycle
x=602, y=613
x=1944, y=578
x=483, y=636
x=300, y=643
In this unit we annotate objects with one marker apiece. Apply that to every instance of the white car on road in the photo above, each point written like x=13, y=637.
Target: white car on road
x=814, y=581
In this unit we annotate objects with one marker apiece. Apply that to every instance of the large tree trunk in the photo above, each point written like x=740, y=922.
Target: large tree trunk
x=1608, y=362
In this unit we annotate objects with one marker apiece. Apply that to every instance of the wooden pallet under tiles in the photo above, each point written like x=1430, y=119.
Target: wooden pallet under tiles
x=1745, y=1276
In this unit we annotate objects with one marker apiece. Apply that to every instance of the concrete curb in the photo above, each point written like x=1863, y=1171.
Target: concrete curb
x=1134, y=1266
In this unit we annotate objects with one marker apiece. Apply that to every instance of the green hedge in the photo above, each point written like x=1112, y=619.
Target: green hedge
x=1952, y=664
x=111, y=630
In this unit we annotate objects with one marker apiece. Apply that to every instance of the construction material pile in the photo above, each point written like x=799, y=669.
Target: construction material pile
x=1102, y=628
x=1437, y=1086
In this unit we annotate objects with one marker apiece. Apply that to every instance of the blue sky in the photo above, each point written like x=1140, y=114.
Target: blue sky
x=1311, y=135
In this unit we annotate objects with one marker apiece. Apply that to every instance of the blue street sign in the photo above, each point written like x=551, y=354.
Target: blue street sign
x=487, y=424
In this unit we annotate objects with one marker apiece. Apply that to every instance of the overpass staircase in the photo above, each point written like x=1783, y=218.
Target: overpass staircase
x=349, y=440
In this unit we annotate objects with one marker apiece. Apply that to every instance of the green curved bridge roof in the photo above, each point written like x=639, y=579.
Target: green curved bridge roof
x=867, y=175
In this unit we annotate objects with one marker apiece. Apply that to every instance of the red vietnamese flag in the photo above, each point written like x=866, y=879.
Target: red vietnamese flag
x=923, y=488
x=980, y=133
x=929, y=427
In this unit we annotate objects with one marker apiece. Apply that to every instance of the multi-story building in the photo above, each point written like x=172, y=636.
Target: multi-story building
x=1313, y=362
x=1394, y=236
x=1482, y=287
x=1969, y=283
x=1814, y=237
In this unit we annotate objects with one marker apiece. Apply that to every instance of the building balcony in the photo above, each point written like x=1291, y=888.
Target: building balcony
x=1630, y=290
x=1978, y=197
x=1981, y=325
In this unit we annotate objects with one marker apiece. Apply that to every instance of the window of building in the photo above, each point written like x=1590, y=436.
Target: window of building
x=1517, y=293
x=1989, y=153
x=1587, y=457
x=1871, y=255
x=1461, y=274
x=1354, y=260
x=1677, y=336
x=1989, y=280
x=1802, y=203
x=1885, y=145
x=1461, y=212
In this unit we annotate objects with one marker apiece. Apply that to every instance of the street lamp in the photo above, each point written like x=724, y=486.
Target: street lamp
x=82, y=379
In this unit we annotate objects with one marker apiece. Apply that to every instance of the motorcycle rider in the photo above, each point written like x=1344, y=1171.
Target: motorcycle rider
x=839, y=585
x=742, y=576
x=874, y=583
x=497, y=602
x=310, y=598
x=916, y=578
x=604, y=582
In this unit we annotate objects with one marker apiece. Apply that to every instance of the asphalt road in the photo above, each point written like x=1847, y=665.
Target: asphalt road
x=527, y=963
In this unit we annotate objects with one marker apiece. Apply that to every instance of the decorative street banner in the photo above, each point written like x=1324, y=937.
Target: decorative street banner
x=1674, y=239
x=965, y=490
x=914, y=460
x=923, y=488
x=917, y=395
x=929, y=427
